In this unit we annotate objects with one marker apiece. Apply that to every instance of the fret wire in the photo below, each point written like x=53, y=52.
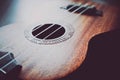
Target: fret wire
x=53, y=32
x=11, y=62
x=5, y=55
x=8, y=64
x=3, y=71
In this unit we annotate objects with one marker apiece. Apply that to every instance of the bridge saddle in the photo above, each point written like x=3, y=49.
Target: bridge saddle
x=78, y=8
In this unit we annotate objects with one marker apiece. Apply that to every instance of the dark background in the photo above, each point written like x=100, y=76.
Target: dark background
x=111, y=2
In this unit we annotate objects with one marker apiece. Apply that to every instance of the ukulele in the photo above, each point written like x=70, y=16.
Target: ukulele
x=52, y=45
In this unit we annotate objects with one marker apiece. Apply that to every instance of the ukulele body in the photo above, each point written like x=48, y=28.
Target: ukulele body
x=53, y=61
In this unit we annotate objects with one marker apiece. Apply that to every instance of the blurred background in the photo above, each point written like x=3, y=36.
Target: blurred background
x=111, y=2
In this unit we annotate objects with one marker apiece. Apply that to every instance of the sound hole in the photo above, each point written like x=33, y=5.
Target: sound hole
x=48, y=31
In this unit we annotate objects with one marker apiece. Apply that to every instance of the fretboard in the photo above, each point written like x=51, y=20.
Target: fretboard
x=7, y=62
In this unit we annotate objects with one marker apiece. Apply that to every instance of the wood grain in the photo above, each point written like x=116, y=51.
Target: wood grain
x=48, y=62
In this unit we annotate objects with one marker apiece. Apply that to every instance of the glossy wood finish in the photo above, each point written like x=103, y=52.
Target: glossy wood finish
x=48, y=62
